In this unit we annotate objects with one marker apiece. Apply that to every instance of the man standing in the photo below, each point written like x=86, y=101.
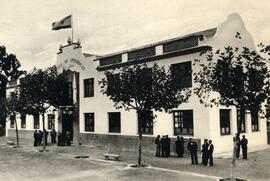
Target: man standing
x=36, y=138
x=53, y=136
x=168, y=146
x=157, y=142
x=193, y=147
x=163, y=146
x=179, y=147
x=238, y=145
x=205, y=152
x=210, y=153
x=244, y=143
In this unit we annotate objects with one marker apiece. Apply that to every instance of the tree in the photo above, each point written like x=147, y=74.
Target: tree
x=42, y=89
x=142, y=88
x=238, y=75
x=14, y=106
x=9, y=66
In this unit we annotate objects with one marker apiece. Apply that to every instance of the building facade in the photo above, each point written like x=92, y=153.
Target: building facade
x=93, y=119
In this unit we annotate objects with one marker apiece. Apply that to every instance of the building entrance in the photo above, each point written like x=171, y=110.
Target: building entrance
x=67, y=123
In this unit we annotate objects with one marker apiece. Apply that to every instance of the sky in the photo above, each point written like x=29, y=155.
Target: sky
x=107, y=26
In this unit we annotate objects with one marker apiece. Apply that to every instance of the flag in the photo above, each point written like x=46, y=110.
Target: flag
x=63, y=23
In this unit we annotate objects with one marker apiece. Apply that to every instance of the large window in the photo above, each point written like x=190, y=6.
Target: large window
x=36, y=121
x=12, y=121
x=23, y=121
x=183, y=122
x=182, y=74
x=88, y=87
x=51, y=121
x=146, y=118
x=243, y=124
x=254, y=121
x=114, y=122
x=89, y=122
x=225, y=121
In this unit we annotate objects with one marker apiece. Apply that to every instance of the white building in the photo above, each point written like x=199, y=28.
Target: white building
x=93, y=119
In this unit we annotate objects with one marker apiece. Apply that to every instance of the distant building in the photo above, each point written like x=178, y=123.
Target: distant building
x=92, y=118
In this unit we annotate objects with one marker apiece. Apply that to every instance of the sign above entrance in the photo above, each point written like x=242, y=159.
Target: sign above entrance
x=70, y=63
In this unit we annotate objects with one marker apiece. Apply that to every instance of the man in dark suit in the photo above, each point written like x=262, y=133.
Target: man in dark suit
x=244, y=143
x=192, y=148
x=210, y=153
x=205, y=152
x=157, y=142
x=163, y=146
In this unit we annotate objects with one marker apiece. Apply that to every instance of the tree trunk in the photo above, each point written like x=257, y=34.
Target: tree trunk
x=44, y=132
x=236, y=142
x=140, y=140
x=17, y=134
x=3, y=115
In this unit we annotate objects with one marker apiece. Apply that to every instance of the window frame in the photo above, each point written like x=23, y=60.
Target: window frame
x=90, y=128
x=118, y=130
x=253, y=128
x=150, y=122
x=220, y=123
x=36, y=126
x=182, y=73
x=23, y=119
x=243, y=123
x=178, y=119
x=12, y=121
x=88, y=87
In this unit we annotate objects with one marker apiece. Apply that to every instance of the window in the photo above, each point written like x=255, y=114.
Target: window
x=70, y=93
x=110, y=60
x=254, y=121
x=225, y=121
x=181, y=44
x=12, y=121
x=89, y=121
x=88, y=87
x=113, y=83
x=142, y=53
x=114, y=122
x=23, y=121
x=36, y=121
x=183, y=122
x=243, y=125
x=182, y=74
x=51, y=121
x=146, y=118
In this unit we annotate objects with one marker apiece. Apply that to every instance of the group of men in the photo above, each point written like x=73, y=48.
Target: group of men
x=163, y=149
x=38, y=137
x=241, y=144
x=163, y=146
x=207, y=152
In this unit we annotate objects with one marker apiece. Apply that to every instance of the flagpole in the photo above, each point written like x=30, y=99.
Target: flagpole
x=71, y=28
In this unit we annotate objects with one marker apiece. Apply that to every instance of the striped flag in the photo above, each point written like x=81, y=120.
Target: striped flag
x=62, y=24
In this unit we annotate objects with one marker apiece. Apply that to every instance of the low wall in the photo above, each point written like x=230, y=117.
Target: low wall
x=122, y=142
x=116, y=142
x=28, y=134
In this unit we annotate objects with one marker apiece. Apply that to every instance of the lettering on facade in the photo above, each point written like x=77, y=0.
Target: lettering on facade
x=69, y=63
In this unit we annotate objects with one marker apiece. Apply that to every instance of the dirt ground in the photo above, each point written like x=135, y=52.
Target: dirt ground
x=27, y=164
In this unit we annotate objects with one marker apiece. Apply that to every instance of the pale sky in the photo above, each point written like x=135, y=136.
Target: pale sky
x=106, y=26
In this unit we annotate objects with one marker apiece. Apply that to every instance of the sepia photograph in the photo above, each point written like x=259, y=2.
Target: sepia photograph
x=125, y=90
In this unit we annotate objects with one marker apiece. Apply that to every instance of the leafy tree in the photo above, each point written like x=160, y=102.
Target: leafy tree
x=235, y=76
x=240, y=76
x=142, y=88
x=15, y=106
x=42, y=89
x=9, y=66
